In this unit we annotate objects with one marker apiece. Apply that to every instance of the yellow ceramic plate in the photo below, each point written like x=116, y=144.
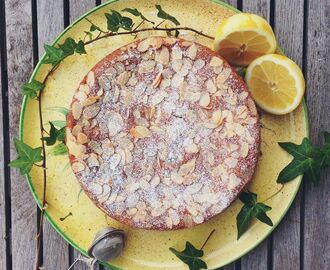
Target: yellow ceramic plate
x=150, y=249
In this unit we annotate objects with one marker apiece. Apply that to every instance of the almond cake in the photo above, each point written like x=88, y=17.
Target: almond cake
x=163, y=134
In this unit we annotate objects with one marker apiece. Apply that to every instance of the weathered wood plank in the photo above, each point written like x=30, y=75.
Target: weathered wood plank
x=3, y=245
x=77, y=8
x=258, y=258
x=289, y=30
x=317, y=199
x=50, y=24
x=20, y=65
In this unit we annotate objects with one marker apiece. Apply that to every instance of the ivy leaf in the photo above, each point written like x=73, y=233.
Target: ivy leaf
x=59, y=123
x=80, y=47
x=115, y=21
x=191, y=256
x=306, y=159
x=53, y=55
x=59, y=150
x=69, y=47
x=54, y=135
x=251, y=209
x=89, y=34
x=163, y=15
x=27, y=157
x=137, y=13
x=32, y=88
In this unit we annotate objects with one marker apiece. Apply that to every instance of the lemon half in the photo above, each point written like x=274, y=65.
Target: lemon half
x=276, y=83
x=244, y=37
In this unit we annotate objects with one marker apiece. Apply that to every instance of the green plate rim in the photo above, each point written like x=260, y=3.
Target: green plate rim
x=29, y=180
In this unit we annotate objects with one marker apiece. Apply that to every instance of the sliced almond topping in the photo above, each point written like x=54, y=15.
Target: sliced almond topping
x=216, y=62
x=90, y=101
x=217, y=117
x=132, y=211
x=84, y=88
x=147, y=66
x=186, y=43
x=75, y=149
x=77, y=167
x=210, y=86
x=90, y=79
x=76, y=110
x=158, y=97
x=244, y=150
x=252, y=107
x=192, y=148
x=176, y=53
x=219, y=171
x=231, y=162
x=91, y=111
x=188, y=167
x=164, y=56
x=93, y=161
x=158, y=79
x=168, y=222
x=205, y=99
x=155, y=180
x=76, y=130
x=82, y=138
x=199, y=63
x=115, y=123
x=234, y=181
x=143, y=45
x=114, y=161
x=243, y=95
x=192, y=52
x=170, y=41
x=81, y=96
x=100, y=92
x=177, y=65
x=131, y=187
x=177, y=178
x=192, y=96
x=105, y=194
x=139, y=132
x=123, y=77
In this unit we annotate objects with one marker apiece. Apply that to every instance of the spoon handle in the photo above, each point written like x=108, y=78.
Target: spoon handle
x=89, y=261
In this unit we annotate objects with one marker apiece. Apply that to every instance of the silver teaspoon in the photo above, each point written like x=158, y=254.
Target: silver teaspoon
x=107, y=244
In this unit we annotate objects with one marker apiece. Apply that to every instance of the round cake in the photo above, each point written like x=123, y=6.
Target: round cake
x=163, y=134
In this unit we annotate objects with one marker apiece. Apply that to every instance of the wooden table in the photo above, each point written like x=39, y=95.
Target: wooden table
x=301, y=241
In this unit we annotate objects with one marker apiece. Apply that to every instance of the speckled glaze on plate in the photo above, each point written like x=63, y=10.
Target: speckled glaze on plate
x=149, y=249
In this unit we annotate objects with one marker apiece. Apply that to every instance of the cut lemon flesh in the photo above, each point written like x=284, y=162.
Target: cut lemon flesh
x=276, y=83
x=244, y=37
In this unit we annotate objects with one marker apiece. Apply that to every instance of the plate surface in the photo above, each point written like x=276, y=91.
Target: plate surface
x=149, y=249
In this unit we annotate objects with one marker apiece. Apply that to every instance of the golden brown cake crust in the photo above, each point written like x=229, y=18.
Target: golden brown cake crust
x=163, y=134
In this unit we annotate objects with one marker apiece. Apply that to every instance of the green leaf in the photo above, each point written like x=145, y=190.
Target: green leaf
x=59, y=150
x=32, y=88
x=306, y=159
x=89, y=34
x=59, y=123
x=53, y=55
x=115, y=21
x=191, y=256
x=54, y=135
x=163, y=15
x=61, y=110
x=250, y=210
x=80, y=47
x=27, y=157
x=69, y=47
x=137, y=13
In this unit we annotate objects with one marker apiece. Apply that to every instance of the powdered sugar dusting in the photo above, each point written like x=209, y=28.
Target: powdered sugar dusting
x=173, y=135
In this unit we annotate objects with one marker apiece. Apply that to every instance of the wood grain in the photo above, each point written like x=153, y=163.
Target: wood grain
x=3, y=245
x=20, y=65
x=289, y=31
x=317, y=198
x=258, y=258
x=50, y=25
x=77, y=8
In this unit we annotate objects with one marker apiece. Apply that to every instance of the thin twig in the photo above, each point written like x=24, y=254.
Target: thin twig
x=207, y=239
x=160, y=23
x=111, y=34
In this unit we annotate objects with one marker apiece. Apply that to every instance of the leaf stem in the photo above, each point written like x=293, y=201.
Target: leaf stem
x=272, y=196
x=208, y=238
x=160, y=23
